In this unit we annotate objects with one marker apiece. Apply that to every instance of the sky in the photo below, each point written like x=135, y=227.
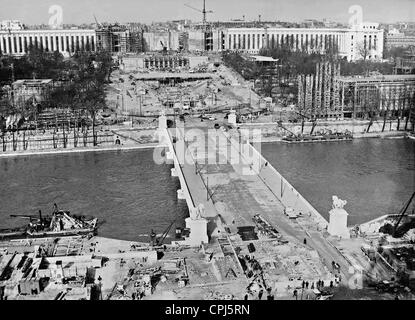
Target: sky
x=147, y=11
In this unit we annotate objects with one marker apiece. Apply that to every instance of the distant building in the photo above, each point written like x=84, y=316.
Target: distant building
x=17, y=42
x=394, y=38
x=404, y=66
x=113, y=38
x=33, y=91
x=158, y=40
x=393, y=94
x=348, y=41
x=206, y=40
x=11, y=25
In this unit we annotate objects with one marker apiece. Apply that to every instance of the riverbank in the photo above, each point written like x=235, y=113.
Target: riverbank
x=78, y=150
x=129, y=139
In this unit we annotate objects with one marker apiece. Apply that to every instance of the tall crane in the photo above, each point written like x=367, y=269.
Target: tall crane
x=203, y=11
x=402, y=213
x=99, y=25
x=313, y=121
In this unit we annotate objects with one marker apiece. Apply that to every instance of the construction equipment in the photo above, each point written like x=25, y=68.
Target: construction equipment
x=402, y=213
x=163, y=46
x=203, y=11
x=160, y=240
x=281, y=126
x=99, y=25
x=312, y=120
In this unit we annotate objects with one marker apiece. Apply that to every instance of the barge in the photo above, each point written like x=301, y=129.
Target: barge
x=60, y=224
x=318, y=138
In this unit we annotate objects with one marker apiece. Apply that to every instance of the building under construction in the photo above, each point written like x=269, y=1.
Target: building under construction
x=318, y=95
x=329, y=95
x=160, y=61
x=114, y=38
x=385, y=95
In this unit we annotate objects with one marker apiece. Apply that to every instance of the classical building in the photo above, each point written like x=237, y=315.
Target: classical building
x=363, y=41
x=67, y=41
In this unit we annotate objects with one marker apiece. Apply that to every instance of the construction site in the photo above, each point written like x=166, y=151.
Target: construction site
x=328, y=95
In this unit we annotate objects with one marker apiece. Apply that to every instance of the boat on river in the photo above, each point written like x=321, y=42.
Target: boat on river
x=60, y=224
x=320, y=137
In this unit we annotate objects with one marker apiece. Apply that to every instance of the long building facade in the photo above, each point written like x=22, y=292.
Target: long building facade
x=18, y=42
x=364, y=41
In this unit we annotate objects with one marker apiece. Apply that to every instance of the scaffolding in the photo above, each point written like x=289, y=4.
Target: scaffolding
x=390, y=96
x=300, y=103
x=319, y=95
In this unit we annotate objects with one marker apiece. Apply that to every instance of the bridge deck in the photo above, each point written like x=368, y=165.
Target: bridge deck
x=237, y=197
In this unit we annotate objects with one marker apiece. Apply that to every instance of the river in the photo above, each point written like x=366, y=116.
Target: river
x=375, y=176
x=134, y=195
x=124, y=188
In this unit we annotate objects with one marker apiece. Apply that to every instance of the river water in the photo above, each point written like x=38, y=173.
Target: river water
x=125, y=188
x=375, y=176
x=133, y=194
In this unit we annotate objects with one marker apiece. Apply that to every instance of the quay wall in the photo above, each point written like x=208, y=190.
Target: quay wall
x=357, y=127
x=183, y=183
x=52, y=141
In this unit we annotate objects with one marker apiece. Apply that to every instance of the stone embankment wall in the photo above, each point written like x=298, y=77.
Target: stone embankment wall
x=165, y=139
x=358, y=127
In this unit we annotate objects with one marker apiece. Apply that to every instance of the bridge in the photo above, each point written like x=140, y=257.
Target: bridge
x=224, y=173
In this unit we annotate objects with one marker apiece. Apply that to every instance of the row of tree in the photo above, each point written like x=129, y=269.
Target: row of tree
x=79, y=81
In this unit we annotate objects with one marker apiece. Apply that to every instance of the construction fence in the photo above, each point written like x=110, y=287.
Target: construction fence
x=34, y=141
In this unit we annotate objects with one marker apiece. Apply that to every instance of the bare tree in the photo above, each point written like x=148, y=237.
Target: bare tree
x=363, y=50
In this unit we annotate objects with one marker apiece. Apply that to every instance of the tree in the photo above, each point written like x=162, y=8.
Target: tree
x=363, y=50
x=91, y=97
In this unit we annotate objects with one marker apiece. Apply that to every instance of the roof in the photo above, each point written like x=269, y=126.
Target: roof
x=163, y=76
x=380, y=78
x=32, y=82
x=263, y=59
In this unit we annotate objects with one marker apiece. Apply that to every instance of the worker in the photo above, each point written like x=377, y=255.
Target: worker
x=152, y=236
x=305, y=241
x=55, y=208
x=295, y=294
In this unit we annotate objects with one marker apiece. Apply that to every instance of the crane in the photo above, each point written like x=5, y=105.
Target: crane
x=160, y=240
x=281, y=126
x=402, y=212
x=99, y=25
x=313, y=121
x=203, y=11
x=163, y=46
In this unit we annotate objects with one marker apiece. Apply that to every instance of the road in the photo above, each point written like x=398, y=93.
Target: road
x=237, y=196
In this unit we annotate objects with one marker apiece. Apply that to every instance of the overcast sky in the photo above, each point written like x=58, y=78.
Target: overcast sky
x=146, y=11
